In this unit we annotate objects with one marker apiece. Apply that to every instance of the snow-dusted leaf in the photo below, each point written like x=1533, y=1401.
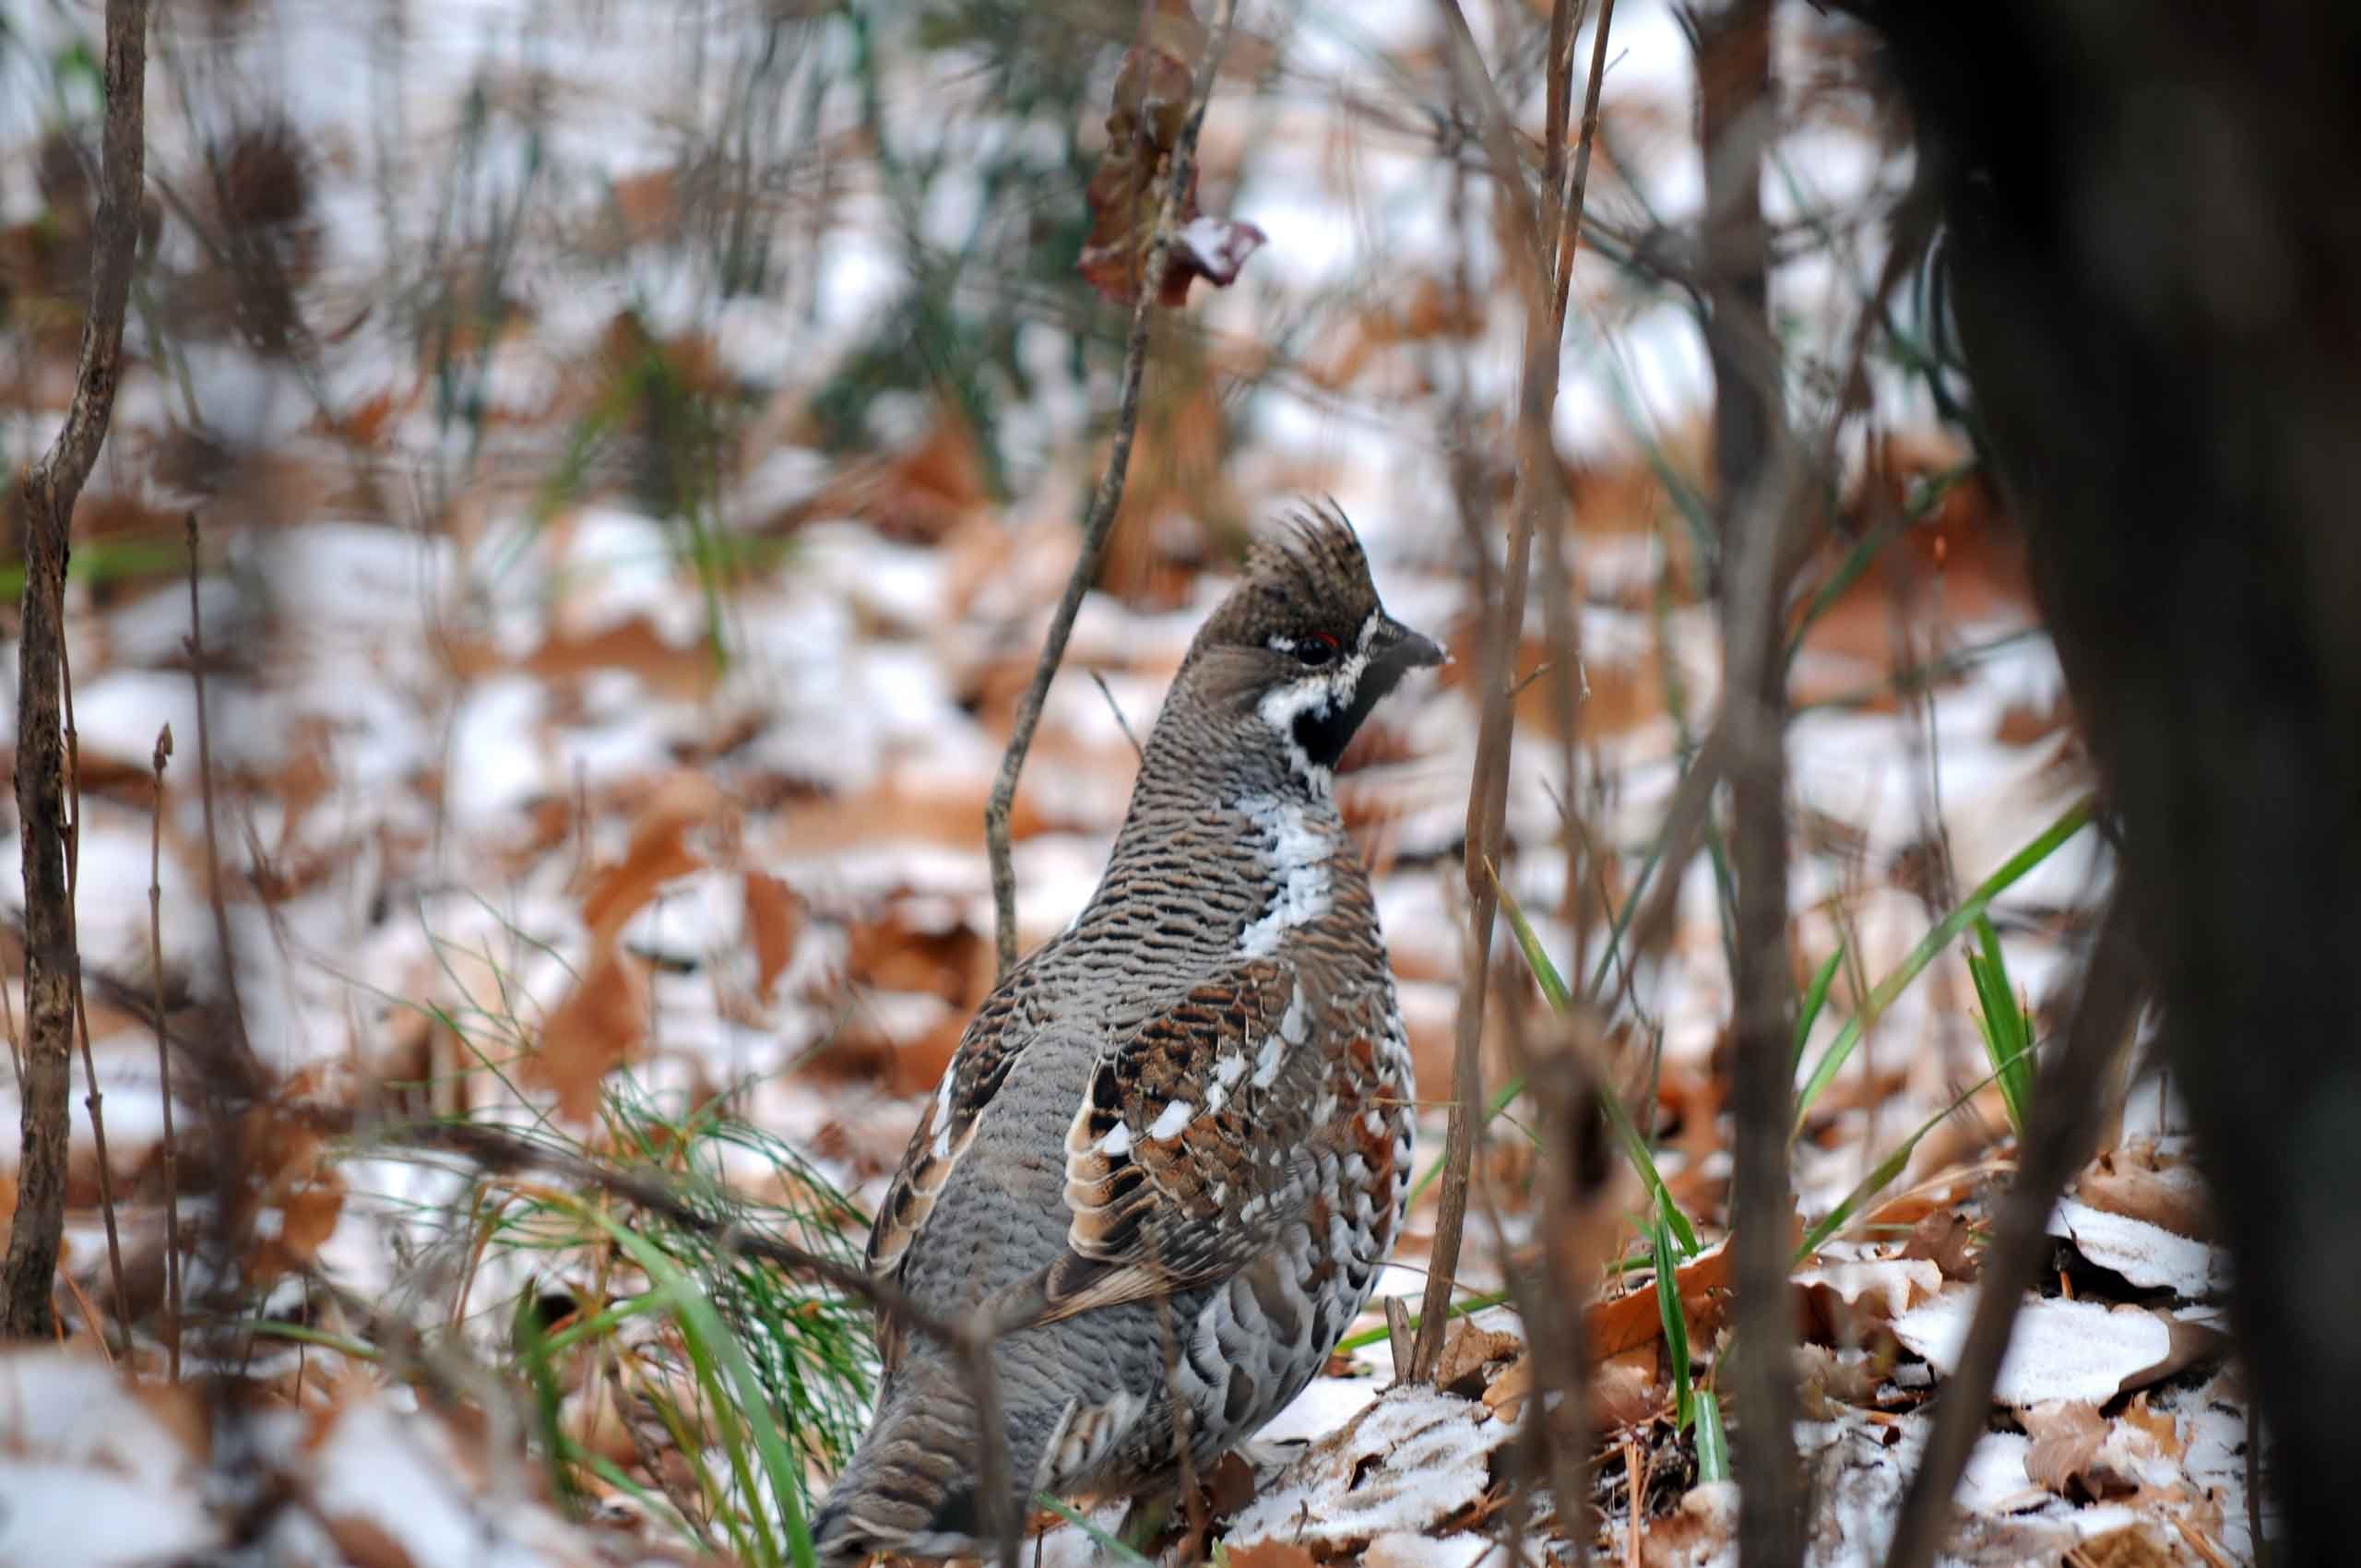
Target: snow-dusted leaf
x=2147, y=1254
x=1851, y=1298
x=1408, y=1462
x=2061, y=1350
x=95, y=1472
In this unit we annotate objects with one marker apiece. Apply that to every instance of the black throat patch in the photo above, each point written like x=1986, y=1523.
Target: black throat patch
x=1323, y=732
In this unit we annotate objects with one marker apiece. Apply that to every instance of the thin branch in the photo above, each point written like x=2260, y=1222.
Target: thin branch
x=2059, y=1133
x=1105, y=501
x=1570, y=231
x=92, y=1100
x=1115, y=708
x=50, y=490
x=1540, y=490
x=213, y=894
x=164, y=1064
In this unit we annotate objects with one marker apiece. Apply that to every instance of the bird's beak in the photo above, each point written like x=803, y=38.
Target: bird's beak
x=1403, y=648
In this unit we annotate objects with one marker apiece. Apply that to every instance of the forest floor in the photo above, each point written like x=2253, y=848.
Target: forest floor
x=608, y=643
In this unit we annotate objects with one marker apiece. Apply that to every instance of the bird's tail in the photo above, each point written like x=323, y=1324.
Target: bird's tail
x=909, y=1488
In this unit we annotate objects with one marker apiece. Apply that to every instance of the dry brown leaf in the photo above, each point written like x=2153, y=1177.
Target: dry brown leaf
x=2130, y=1547
x=2064, y=1457
x=1622, y=1394
x=2187, y=1345
x=1467, y=1353
x=1271, y=1554
x=2142, y=1181
x=1828, y=1380
x=1698, y=1532
x=658, y=852
x=592, y=1032
x=773, y=918
x=689, y=674
x=2162, y=1426
x=1151, y=104
x=1942, y=1237
x=1505, y=1398
x=897, y=953
x=364, y=1543
x=1851, y=1303
x=1629, y=1320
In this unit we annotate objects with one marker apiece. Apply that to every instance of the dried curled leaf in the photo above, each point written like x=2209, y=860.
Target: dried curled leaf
x=1151, y=105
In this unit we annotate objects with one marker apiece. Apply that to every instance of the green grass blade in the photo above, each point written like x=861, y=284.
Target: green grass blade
x=1814, y=999
x=1553, y=987
x=1883, y=993
x=1674, y=1321
x=1889, y=1168
x=541, y=1375
x=1378, y=1335
x=1115, y=1549
x=699, y=1321
x=1545, y=973
x=2006, y=1031
x=1713, y=1443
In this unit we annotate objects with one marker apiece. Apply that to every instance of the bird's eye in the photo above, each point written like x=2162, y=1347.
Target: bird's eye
x=1316, y=650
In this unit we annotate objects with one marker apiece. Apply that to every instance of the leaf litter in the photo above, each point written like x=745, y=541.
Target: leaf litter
x=559, y=792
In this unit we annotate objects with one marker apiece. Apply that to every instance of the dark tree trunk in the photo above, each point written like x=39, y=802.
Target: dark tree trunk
x=2153, y=217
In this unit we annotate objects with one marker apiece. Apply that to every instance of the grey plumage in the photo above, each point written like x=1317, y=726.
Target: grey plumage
x=1172, y=1149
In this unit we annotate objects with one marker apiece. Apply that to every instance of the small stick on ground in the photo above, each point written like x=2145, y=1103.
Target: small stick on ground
x=164, y=1065
x=1099, y=521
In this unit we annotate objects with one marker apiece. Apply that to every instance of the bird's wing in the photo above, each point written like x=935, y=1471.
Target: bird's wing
x=1192, y=1147
x=988, y=1048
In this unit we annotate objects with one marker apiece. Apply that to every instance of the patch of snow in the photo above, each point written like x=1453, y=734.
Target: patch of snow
x=2148, y=1256
x=2061, y=1350
x=1410, y=1460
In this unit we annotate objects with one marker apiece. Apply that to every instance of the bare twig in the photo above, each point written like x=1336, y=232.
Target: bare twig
x=50, y=488
x=164, y=1063
x=1540, y=491
x=1570, y=228
x=1117, y=710
x=213, y=892
x=2056, y=1141
x=1099, y=521
x=92, y=1100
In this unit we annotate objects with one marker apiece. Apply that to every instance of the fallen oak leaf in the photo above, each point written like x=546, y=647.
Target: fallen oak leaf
x=592, y=1032
x=2064, y=1455
x=1126, y=192
x=773, y=918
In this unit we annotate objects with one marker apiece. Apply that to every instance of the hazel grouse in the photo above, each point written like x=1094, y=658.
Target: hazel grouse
x=1173, y=1147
